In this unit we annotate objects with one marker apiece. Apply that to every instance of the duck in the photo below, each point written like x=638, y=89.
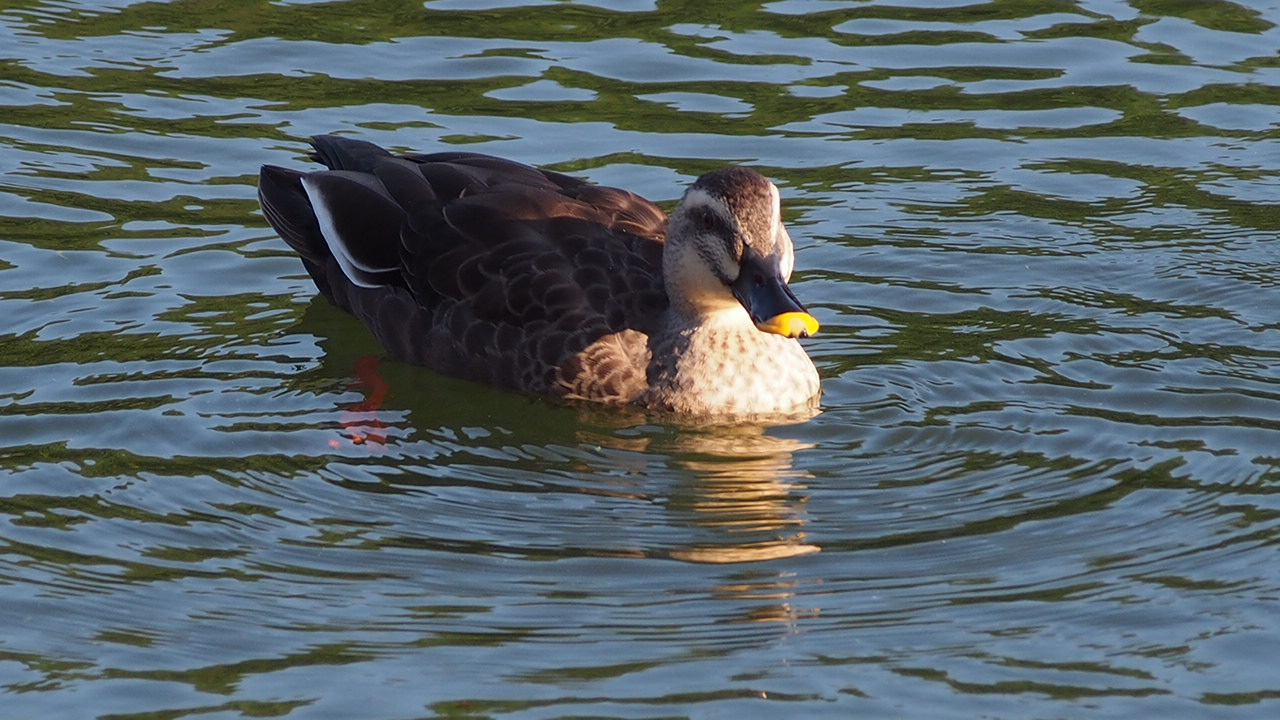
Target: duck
x=498, y=272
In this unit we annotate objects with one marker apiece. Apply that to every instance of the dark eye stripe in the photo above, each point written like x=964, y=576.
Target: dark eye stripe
x=713, y=222
x=733, y=245
x=712, y=265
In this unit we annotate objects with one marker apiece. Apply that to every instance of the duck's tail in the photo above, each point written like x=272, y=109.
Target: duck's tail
x=287, y=208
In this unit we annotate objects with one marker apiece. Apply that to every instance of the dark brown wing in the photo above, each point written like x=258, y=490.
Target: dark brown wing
x=480, y=267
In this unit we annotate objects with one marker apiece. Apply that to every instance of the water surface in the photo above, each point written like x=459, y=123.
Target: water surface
x=1041, y=240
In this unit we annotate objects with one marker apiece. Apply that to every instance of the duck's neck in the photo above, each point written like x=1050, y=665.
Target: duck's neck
x=722, y=318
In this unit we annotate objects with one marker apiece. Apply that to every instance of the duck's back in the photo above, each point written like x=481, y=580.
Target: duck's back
x=481, y=267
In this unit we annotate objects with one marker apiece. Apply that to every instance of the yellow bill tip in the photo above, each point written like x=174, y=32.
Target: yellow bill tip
x=791, y=324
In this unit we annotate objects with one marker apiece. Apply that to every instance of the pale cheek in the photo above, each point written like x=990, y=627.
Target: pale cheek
x=730, y=271
x=692, y=282
x=686, y=274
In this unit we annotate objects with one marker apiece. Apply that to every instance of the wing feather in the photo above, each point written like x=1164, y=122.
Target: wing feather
x=479, y=266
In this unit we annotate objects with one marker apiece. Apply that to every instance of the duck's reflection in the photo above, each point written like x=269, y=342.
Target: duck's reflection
x=742, y=498
x=743, y=501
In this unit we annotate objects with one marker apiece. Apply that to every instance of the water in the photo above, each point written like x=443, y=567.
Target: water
x=1041, y=240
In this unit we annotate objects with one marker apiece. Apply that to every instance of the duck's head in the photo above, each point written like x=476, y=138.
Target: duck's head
x=727, y=250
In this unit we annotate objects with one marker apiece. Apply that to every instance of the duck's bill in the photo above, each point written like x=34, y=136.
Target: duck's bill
x=790, y=324
x=770, y=302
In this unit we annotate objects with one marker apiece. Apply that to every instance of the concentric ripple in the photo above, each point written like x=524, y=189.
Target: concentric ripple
x=1040, y=239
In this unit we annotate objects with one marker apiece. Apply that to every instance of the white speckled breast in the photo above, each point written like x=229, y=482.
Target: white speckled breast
x=737, y=370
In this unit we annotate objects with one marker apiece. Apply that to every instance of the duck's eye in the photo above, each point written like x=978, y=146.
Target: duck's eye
x=708, y=220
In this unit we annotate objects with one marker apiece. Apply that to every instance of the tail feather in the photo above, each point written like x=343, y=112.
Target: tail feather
x=286, y=207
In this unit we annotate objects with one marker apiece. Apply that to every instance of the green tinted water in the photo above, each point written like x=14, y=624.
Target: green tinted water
x=1041, y=240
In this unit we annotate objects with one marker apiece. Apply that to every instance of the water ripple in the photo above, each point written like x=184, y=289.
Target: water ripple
x=1043, y=483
